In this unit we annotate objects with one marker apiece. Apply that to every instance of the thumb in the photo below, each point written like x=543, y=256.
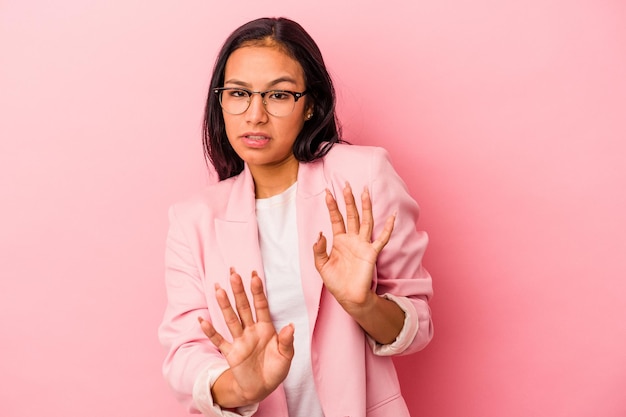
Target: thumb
x=319, y=252
x=285, y=341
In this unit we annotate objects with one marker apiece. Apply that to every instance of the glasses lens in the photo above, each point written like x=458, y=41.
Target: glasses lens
x=234, y=101
x=279, y=103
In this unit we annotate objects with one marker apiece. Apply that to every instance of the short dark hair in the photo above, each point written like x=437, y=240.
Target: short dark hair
x=319, y=133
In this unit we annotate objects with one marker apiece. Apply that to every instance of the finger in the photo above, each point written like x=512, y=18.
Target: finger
x=367, y=223
x=261, y=306
x=320, y=256
x=214, y=336
x=285, y=341
x=336, y=219
x=230, y=317
x=241, y=300
x=352, y=213
x=385, y=234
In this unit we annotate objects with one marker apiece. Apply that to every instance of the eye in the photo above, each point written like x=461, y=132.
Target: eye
x=238, y=93
x=278, y=95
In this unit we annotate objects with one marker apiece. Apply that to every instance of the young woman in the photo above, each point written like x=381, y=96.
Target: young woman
x=288, y=296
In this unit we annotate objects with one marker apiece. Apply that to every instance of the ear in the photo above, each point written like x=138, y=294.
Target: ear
x=309, y=111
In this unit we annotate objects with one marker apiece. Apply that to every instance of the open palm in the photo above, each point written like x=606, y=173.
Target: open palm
x=259, y=357
x=348, y=270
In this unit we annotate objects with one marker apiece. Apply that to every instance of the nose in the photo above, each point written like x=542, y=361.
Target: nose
x=256, y=111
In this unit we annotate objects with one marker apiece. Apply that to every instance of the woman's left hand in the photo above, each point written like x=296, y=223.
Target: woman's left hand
x=348, y=270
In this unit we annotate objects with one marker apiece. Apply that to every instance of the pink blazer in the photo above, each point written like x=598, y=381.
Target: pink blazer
x=217, y=229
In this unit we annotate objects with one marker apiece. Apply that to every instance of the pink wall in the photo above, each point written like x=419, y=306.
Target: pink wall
x=507, y=120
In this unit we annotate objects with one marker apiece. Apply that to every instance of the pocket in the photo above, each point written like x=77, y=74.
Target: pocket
x=392, y=406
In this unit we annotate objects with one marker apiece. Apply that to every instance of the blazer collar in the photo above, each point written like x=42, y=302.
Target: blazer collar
x=311, y=179
x=241, y=202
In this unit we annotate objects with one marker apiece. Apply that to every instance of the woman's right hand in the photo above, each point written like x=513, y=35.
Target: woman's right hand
x=259, y=357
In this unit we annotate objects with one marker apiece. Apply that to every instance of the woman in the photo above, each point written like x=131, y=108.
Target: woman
x=287, y=296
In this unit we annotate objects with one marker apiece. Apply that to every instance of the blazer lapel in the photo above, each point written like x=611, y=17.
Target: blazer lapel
x=312, y=218
x=237, y=232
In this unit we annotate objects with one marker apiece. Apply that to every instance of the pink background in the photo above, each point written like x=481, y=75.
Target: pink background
x=506, y=119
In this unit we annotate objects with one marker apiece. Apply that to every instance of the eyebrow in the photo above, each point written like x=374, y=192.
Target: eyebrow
x=271, y=84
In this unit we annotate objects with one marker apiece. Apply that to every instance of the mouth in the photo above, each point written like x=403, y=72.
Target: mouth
x=255, y=140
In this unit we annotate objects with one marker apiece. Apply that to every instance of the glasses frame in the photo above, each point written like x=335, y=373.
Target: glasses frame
x=296, y=96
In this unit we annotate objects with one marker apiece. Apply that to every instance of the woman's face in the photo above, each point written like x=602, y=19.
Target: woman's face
x=261, y=139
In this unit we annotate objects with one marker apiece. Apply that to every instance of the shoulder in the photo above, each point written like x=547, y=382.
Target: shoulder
x=211, y=199
x=357, y=160
x=341, y=152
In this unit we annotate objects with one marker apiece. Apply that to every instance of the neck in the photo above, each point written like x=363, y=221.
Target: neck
x=273, y=180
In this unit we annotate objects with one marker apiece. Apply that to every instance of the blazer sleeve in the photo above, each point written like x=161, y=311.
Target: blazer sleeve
x=399, y=269
x=189, y=352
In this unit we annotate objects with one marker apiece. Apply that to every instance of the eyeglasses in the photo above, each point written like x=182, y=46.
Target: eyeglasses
x=279, y=103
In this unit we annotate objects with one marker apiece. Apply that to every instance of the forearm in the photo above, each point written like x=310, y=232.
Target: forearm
x=379, y=317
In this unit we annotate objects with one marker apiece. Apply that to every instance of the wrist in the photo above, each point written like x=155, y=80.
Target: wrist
x=380, y=318
x=227, y=393
x=362, y=308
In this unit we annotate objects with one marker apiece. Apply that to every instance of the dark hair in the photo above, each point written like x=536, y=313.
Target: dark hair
x=319, y=133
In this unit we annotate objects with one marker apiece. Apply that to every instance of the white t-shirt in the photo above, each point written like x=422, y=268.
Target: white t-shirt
x=278, y=238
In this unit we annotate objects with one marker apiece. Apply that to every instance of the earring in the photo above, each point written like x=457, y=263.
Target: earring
x=308, y=116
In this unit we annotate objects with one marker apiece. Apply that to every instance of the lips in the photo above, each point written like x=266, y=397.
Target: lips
x=255, y=139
